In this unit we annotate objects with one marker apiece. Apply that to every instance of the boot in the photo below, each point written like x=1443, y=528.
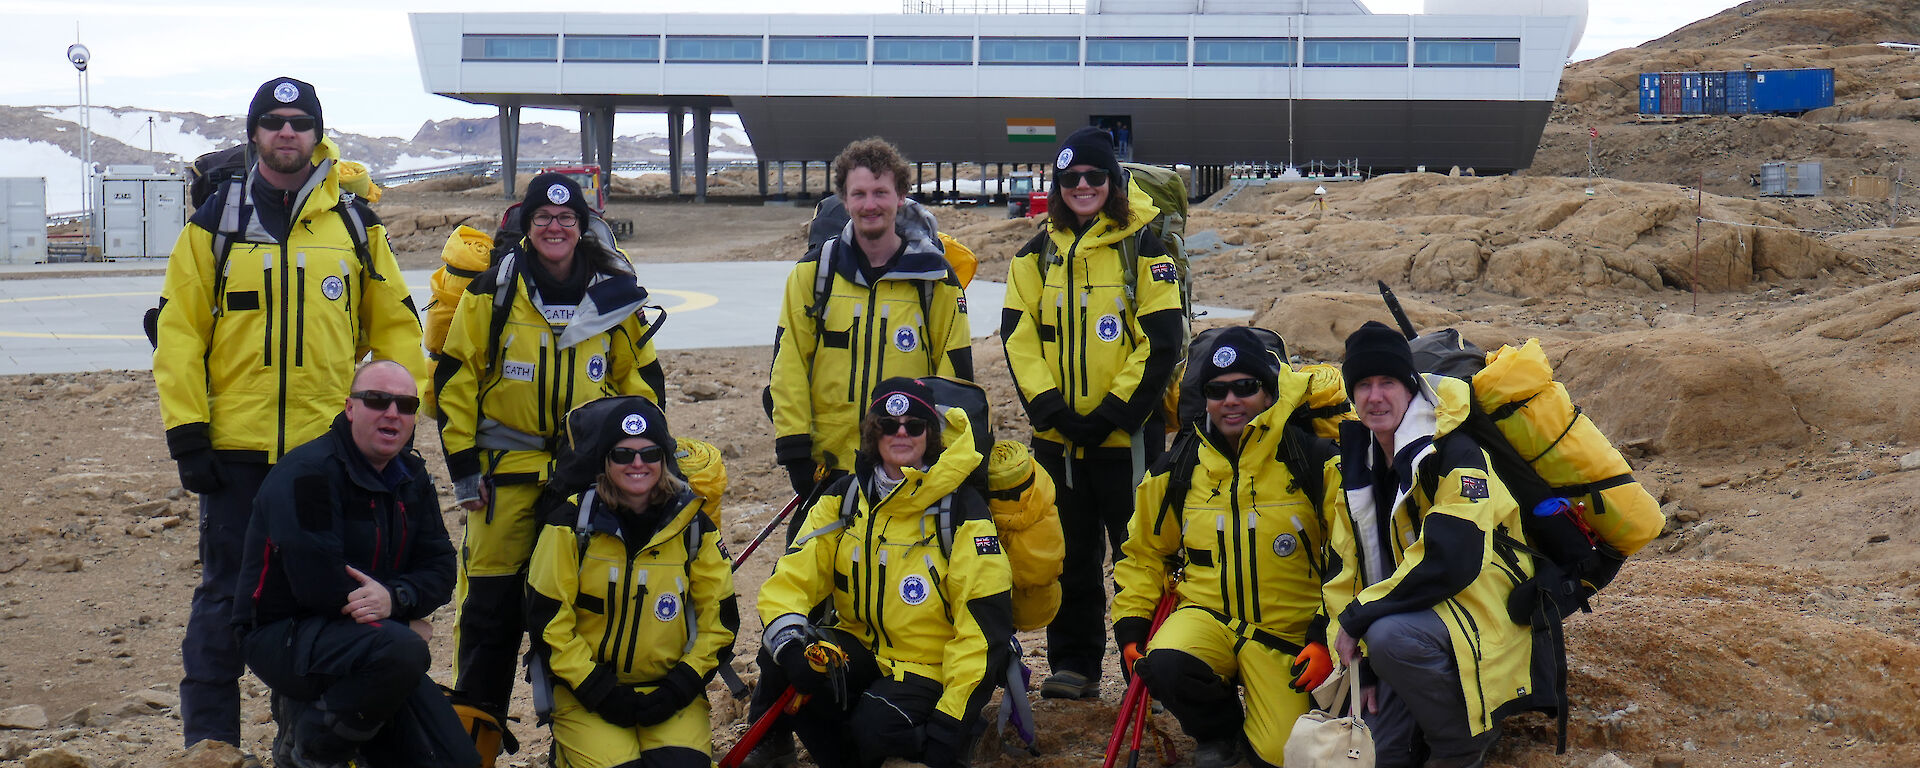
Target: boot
x=1223, y=753
x=775, y=750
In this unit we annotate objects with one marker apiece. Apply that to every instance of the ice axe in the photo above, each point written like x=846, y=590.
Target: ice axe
x=1399, y=315
x=1134, y=705
x=767, y=531
x=822, y=656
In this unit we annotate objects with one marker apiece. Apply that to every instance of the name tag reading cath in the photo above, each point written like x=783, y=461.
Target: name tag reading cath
x=559, y=315
x=517, y=371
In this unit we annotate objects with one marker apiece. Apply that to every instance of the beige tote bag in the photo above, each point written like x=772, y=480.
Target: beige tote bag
x=1323, y=739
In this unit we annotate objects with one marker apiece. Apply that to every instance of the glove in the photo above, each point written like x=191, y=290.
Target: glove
x=674, y=693
x=1311, y=667
x=792, y=658
x=1082, y=430
x=467, y=488
x=946, y=744
x=1130, y=654
x=621, y=707
x=200, y=471
x=800, y=475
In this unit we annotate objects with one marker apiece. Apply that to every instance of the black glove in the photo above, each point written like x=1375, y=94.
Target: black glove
x=946, y=745
x=792, y=658
x=675, y=692
x=1046, y=409
x=1088, y=431
x=200, y=472
x=800, y=474
x=621, y=706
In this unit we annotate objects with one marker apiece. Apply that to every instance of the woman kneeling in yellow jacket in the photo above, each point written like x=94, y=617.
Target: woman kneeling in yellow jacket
x=918, y=583
x=630, y=599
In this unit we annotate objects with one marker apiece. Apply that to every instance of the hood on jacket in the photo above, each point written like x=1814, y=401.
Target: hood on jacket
x=1140, y=212
x=920, y=489
x=924, y=259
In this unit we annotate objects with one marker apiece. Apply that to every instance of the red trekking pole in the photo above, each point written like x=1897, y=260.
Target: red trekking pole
x=1134, y=705
x=738, y=754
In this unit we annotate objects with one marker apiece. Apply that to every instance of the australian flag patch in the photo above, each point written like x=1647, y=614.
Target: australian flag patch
x=1473, y=487
x=986, y=545
x=1164, y=272
x=962, y=302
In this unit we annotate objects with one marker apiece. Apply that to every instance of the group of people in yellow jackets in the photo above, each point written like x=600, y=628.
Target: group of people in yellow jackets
x=889, y=613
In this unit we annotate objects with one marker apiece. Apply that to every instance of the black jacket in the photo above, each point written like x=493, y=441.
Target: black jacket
x=322, y=508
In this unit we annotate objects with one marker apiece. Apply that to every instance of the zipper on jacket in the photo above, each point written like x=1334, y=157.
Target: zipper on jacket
x=880, y=603
x=1060, y=329
x=853, y=588
x=933, y=575
x=1239, y=547
x=613, y=613
x=1253, y=559
x=563, y=402
x=636, y=616
x=1220, y=563
x=1082, y=375
x=885, y=339
x=855, y=347
x=285, y=319
x=300, y=310
x=266, y=287
x=346, y=296
x=866, y=351
x=540, y=383
x=1473, y=642
x=405, y=529
x=1071, y=337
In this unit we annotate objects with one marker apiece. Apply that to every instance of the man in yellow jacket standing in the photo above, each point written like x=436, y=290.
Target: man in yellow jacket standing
x=1091, y=360
x=1421, y=575
x=276, y=288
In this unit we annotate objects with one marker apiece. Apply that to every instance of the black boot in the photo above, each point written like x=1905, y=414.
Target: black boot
x=775, y=750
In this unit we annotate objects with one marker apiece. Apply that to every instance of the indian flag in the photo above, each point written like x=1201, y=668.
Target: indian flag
x=1030, y=130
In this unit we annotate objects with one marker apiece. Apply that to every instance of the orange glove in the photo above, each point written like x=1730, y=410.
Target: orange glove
x=1311, y=667
x=1130, y=655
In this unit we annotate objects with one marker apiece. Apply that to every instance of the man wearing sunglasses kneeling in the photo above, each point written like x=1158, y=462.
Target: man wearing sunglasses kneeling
x=344, y=560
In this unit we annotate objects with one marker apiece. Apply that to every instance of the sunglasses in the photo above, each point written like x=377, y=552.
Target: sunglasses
x=379, y=401
x=651, y=454
x=915, y=427
x=1070, y=179
x=300, y=123
x=1217, y=390
x=567, y=220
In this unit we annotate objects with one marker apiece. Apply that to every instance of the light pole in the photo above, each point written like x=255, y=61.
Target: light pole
x=79, y=55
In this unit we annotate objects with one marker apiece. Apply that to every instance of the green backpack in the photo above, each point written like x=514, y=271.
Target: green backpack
x=1168, y=190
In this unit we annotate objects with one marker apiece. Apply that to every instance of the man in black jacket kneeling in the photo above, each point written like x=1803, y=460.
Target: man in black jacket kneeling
x=345, y=558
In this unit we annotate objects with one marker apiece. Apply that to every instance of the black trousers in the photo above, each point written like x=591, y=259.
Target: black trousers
x=359, y=687
x=1094, y=510
x=210, y=653
x=883, y=717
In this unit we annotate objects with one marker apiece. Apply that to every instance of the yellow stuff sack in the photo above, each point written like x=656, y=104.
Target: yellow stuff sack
x=1020, y=496
x=354, y=178
x=467, y=253
x=706, y=473
x=1541, y=422
x=1326, y=402
x=961, y=258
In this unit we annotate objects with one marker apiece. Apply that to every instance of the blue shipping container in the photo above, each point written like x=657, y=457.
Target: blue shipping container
x=1714, y=93
x=1691, y=98
x=1739, y=92
x=1792, y=90
x=1649, y=93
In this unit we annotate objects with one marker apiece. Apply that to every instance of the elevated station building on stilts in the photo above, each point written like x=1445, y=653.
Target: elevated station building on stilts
x=1208, y=84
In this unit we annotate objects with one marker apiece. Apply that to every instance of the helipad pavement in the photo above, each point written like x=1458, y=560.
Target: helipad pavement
x=88, y=317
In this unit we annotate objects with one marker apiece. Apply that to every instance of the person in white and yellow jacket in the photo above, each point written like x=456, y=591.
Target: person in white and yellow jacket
x=630, y=601
x=922, y=613
x=1091, y=368
x=1421, y=576
x=554, y=323
x=277, y=287
x=1249, y=610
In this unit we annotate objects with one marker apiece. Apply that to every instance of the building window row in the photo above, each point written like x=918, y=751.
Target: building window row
x=1028, y=51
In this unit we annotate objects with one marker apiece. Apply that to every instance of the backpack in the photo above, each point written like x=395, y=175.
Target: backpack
x=207, y=172
x=1305, y=444
x=232, y=221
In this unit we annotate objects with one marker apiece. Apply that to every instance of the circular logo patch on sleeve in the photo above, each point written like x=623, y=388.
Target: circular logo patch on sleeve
x=1225, y=356
x=905, y=339
x=667, y=608
x=558, y=194
x=1065, y=159
x=913, y=589
x=332, y=287
x=896, y=404
x=286, y=93
x=1108, y=328
x=596, y=368
x=633, y=424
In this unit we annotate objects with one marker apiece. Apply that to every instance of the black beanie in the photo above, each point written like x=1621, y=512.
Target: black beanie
x=901, y=396
x=1377, y=350
x=595, y=428
x=284, y=92
x=1089, y=146
x=1238, y=350
x=552, y=189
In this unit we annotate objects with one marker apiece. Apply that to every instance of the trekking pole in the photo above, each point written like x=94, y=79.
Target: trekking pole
x=738, y=754
x=1399, y=315
x=767, y=531
x=1135, y=699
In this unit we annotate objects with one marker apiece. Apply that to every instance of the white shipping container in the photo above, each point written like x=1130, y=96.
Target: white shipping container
x=141, y=211
x=23, y=220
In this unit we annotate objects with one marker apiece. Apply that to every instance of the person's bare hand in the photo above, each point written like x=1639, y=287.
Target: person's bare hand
x=1348, y=647
x=371, y=602
x=1369, y=703
x=486, y=497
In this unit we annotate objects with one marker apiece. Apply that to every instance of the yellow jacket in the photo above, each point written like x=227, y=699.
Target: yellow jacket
x=1252, y=542
x=824, y=369
x=630, y=612
x=1071, y=338
x=500, y=418
x=258, y=360
x=942, y=616
x=1434, y=550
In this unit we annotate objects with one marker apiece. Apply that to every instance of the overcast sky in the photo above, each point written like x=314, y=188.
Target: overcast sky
x=207, y=56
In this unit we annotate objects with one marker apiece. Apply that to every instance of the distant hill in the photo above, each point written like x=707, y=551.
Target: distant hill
x=1762, y=24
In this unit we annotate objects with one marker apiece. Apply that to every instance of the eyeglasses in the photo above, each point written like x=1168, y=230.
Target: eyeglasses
x=567, y=220
x=1069, y=179
x=915, y=427
x=1217, y=390
x=651, y=454
x=379, y=401
x=300, y=123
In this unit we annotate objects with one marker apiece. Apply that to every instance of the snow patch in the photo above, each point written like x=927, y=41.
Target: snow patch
x=170, y=134
x=24, y=158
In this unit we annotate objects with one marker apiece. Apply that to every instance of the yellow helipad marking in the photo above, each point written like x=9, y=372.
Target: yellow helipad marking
x=689, y=300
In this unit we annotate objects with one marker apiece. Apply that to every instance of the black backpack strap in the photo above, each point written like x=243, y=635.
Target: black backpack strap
x=234, y=212
x=1179, y=462
x=356, y=224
